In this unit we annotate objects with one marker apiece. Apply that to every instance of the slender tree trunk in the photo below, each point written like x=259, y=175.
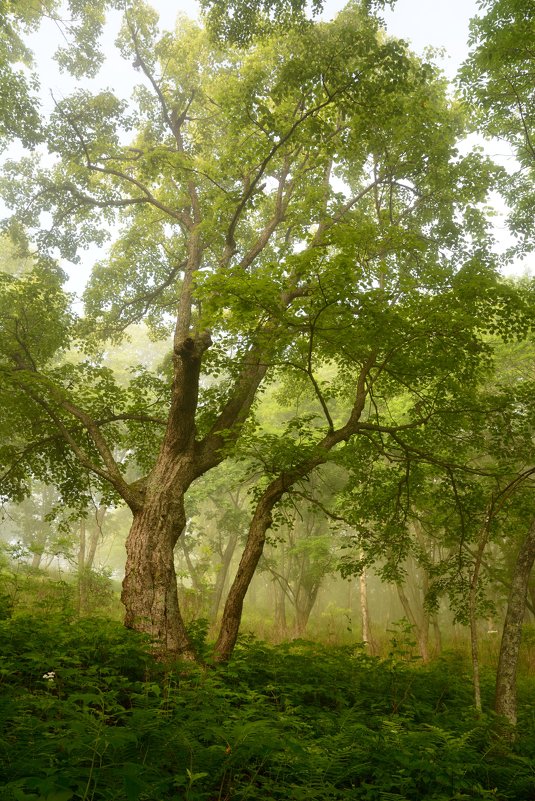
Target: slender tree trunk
x=254, y=547
x=472, y=611
x=194, y=576
x=82, y=584
x=222, y=575
x=365, y=612
x=474, y=651
x=94, y=537
x=304, y=604
x=437, y=635
x=421, y=629
x=512, y=630
x=280, y=623
x=262, y=519
x=86, y=557
x=531, y=594
x=425, y=618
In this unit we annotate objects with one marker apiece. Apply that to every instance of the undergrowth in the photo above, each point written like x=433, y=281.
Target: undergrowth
x=87, y=715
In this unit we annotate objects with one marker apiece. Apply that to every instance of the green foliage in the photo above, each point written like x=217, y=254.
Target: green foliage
x=497, y=80
x=80, y=22
x=26, y=590
x=392, y=266
x=239, y=22
x=293, y=208
x=87, y=714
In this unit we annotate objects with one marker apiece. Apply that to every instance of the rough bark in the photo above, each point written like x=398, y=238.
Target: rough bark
x=150, y=593
x=512, y=631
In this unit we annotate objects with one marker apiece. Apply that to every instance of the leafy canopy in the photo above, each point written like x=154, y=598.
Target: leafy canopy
x=302, y=199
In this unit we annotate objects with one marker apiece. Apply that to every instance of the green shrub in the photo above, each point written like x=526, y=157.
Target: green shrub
x=86, y=714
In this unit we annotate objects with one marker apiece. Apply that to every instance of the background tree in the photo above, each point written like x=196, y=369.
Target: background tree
x=80, y=24
x=300, y=559
x=497, y=81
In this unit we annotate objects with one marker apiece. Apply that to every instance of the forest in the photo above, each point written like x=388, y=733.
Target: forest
x=267, y=405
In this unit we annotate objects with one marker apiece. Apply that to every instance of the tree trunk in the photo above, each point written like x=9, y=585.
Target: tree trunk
x=222, y=574
x=230, y=622
x=82, y=584
x=193, y=574
x=94, y=537
x=304, y=604
x=262, y=518
x=364, y=611
x=421, y=629
x=472, y=608
x=150, y=593
x=280, y=623
x=531, y=594
x=437, y=635
x=512, y=629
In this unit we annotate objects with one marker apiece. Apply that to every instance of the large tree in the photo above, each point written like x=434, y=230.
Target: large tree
x=283, y=209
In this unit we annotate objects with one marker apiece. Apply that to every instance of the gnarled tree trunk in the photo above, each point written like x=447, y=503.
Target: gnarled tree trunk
x=222, y=574
x=150, y=593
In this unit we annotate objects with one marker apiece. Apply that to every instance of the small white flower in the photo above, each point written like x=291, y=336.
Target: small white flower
x=49, y=676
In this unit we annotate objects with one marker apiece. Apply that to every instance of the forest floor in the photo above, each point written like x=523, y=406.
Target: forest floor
x=87, y=715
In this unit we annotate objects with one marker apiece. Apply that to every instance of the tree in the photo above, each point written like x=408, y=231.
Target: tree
x=497, y=80
x=301, y=558
x=80, y=24
x=512, y=631
x=289, y=206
